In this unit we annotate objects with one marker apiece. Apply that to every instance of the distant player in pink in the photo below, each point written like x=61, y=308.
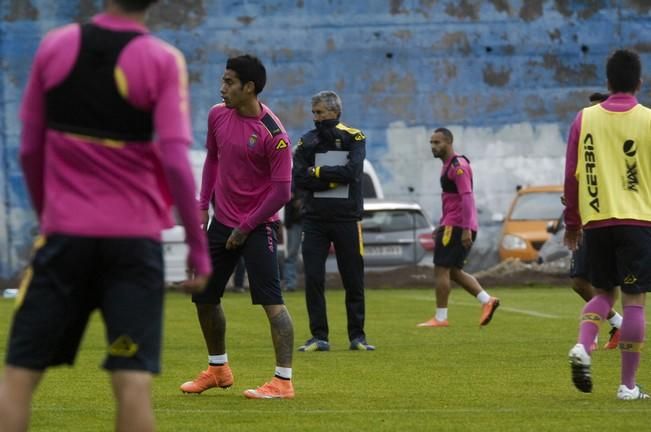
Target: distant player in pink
x=247, y=173
x=456, y=232
x=96, y=96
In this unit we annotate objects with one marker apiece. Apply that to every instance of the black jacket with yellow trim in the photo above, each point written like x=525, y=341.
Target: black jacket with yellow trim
x=340, y=138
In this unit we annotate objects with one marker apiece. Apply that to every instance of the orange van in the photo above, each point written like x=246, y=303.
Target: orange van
x=524, y=230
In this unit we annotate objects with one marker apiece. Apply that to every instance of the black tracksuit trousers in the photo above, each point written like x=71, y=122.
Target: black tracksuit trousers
x=348, y=243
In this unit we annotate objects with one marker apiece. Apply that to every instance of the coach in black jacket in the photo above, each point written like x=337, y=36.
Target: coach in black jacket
x=328, y=166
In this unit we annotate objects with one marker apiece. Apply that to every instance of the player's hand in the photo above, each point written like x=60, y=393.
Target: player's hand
x=466, y=238
x=194, y=284
x=236, y=239
x=572, y=239
x=203, y=219
x=194, y=281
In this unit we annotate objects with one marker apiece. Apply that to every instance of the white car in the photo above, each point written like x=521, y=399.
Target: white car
x=175, y=254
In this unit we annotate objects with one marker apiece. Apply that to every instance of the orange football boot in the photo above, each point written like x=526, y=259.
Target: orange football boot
x=433, y=323
x=214, y=376
x=613, y=340
x=277, y=388
x=488, y=310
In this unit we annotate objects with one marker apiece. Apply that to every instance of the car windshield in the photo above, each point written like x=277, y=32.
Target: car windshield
x=392, y=220
x=537, y=206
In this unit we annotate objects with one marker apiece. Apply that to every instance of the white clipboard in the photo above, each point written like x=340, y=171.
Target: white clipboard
x=332, y=158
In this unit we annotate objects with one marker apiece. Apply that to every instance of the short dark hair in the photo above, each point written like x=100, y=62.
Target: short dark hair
x=249, y=68
x=598, y=97
x=623, y=71
x=446, y=133
x=134, y=5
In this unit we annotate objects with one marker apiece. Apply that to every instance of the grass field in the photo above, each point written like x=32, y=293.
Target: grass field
x=510, y=376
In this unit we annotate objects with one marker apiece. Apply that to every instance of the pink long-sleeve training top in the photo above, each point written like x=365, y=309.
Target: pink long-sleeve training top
x=248, y=168
x=100, y=188
x=459, y=208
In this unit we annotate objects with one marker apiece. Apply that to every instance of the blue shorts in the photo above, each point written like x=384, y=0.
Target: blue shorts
x=619, y=255
x=448, y=250
x=579, y=267
x=72, y=276
x=260, y=259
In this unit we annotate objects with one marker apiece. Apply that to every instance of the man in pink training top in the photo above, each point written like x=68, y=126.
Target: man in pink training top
x=608, y=209
x=96, y=95
x=456, y=232
x=248, y=169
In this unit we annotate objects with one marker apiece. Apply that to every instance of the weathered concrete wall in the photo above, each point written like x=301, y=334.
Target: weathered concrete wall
x=505, y=76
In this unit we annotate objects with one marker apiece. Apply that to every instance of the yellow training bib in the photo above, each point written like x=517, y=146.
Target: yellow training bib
x=614, y=164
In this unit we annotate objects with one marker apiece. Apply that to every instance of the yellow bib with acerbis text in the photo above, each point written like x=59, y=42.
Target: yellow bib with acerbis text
x=614, y=164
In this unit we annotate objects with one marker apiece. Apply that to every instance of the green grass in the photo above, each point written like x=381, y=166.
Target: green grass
x=511, y=376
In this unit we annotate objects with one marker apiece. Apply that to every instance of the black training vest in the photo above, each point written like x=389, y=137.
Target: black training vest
x=448, y=185
x=87, y=102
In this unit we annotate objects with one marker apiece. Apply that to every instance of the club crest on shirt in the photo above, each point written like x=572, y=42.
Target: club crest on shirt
x=252, y=140
x=459, y=171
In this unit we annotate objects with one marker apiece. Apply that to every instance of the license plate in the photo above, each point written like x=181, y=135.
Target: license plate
x=382, y=250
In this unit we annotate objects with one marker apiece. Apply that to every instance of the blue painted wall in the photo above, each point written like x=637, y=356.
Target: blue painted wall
x=505, y=76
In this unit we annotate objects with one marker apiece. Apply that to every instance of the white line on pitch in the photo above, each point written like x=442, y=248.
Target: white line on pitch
x=502, y=308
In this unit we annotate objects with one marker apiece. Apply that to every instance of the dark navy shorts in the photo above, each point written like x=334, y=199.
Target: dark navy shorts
x=72, y=276
x=579, y=264
x=448, y=249
x=619, y=255
x=260, y=260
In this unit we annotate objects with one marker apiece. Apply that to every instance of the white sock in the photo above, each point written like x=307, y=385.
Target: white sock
x=217, y=360
x=483, y=297
x=615, y=320
x=283, y=372
x=441, y=314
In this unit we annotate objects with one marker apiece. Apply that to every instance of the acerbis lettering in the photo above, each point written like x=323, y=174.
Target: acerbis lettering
x=591, y=171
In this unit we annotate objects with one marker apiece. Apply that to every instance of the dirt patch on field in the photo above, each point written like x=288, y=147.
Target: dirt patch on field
x=515, y=272
x=507, y=273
